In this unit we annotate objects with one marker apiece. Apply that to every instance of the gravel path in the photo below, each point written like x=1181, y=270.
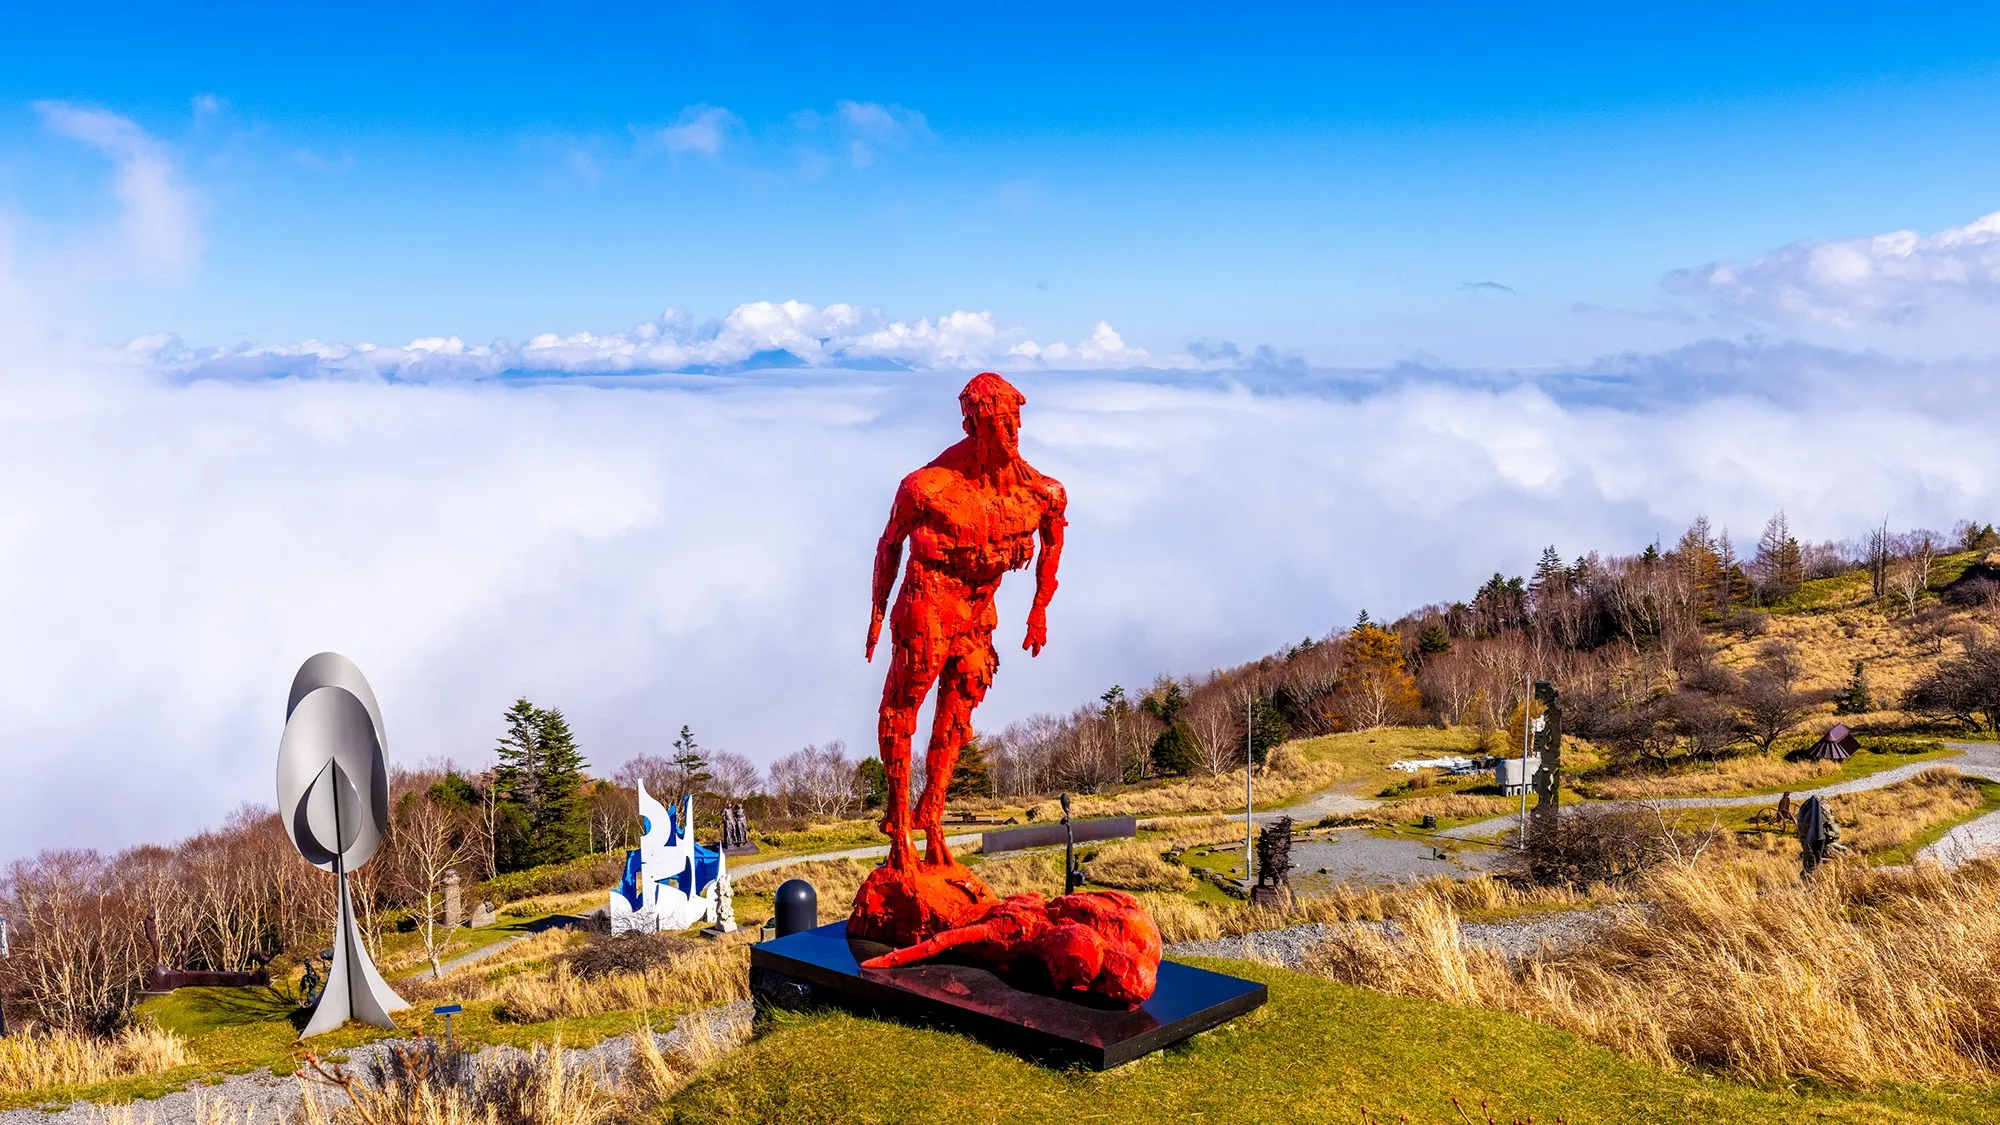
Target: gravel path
x=1974, y=759
x=263, y=1098
x=1516, y=938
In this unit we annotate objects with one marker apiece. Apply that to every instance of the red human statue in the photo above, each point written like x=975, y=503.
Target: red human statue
x=969, y=517
x=1095, y=942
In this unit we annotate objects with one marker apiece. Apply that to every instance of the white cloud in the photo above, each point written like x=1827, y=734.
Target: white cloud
x=700, y=129
x=650, y=553
x=160, y=230
x=1887, y=279
x=758, y=334
x=872, y=127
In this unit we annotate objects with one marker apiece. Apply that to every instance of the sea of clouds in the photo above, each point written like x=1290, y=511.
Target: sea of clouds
x=674, y=524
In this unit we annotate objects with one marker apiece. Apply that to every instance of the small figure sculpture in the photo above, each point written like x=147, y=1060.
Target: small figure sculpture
x=1096, y=942
x=725, y=908
x=333, y=796
x=969, y=517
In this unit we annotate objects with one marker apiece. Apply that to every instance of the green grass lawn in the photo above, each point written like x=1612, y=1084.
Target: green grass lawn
x=1317, y=1052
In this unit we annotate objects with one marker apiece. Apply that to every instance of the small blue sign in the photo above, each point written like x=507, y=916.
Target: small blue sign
x=448, y=1010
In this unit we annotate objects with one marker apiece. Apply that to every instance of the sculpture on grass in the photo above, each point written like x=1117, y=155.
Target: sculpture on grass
x=968, y=518
x=333, y=796
x=670, y=882
x=1095, y=942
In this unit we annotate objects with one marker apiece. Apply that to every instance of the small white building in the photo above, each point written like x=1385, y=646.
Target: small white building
x=1514, y=776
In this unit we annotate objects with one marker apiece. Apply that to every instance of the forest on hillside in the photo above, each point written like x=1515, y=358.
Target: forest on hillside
x=1634, y=642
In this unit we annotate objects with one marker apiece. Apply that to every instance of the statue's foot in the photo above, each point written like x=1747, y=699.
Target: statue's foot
x=900, y=907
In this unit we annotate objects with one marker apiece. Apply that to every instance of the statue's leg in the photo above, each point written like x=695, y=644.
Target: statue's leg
x=913, y=667
x=962, y=686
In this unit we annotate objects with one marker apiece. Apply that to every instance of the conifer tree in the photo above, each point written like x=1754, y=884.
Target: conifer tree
x=971, y=776
x=541, y=816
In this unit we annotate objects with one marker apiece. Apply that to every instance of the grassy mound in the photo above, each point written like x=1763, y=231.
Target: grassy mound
x=1318, y=1051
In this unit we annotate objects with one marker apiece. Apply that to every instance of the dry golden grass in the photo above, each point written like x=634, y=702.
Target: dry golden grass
x=1726, y=776
x=1889, y=817
x=1857, y=977
x=1286, y=775
x=834, y=880
x=1136, y=865
x=542, y=1087
x=34, y=1059
x=711, y=973
x=476, y=980
x=204, y=1113
x=1451, y=806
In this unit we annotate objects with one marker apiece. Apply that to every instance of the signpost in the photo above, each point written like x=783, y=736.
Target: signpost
x=447, y=1011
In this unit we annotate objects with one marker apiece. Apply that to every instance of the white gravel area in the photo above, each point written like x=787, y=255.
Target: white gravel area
x=1516, y=938
x=264, y=1098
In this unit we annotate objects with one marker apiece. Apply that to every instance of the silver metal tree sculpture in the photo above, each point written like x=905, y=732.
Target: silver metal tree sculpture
x=333, y=793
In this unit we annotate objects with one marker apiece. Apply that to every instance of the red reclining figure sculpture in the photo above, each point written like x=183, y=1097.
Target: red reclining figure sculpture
x=1096, y=942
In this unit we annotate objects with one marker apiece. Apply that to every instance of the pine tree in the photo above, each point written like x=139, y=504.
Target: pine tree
x=542, y=817
x=1269, y=731
x=1433, y=640
x=1856, y=698
x=970, y=776
x=1176, y=751
x=874, y=782
x=562, y=830
x=1551, y=576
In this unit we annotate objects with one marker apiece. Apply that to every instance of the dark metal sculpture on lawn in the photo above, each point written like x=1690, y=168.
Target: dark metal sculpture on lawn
x=333, y=796
x=969, y=517
x=1274, y=865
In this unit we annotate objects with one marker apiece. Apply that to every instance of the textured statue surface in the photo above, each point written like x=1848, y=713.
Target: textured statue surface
x=968, y=518
x=1095, y=942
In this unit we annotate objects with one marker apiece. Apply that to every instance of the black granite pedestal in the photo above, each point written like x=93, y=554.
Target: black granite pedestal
x=822, y=967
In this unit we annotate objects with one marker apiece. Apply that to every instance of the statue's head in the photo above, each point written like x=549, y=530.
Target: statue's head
x=992, y=409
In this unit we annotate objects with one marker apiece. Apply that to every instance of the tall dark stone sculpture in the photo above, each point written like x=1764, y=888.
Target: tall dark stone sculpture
x=1274, y=865
x=1548, y=747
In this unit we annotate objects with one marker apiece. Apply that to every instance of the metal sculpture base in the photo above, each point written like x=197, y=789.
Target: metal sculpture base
x=822, y=967
x=354, y=987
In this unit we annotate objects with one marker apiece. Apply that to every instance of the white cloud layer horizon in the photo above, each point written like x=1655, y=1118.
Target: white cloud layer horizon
x=674, y=524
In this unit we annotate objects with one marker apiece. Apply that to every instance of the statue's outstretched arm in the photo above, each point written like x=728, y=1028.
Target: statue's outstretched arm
x=889, y=556
x=1053, y=522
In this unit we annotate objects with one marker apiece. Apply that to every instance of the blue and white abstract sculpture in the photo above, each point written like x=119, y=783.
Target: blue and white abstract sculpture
x=333, y=795
x=670, y=881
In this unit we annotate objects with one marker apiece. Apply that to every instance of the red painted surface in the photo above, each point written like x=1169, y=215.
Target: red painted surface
x=1097, y=942
x=967, y=518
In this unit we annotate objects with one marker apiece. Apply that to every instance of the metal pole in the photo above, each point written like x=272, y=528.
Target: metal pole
x=1527, y=726
x=1249, y=766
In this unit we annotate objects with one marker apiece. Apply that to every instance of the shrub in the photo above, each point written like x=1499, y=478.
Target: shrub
x=629, y=953
x=1599, y=846
x=589, y=873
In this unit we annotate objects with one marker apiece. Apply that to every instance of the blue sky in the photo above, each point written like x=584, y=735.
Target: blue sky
x=1326, y=180
x=576, y=354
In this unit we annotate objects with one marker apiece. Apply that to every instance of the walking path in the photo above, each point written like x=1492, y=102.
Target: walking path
x=1976, y=759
